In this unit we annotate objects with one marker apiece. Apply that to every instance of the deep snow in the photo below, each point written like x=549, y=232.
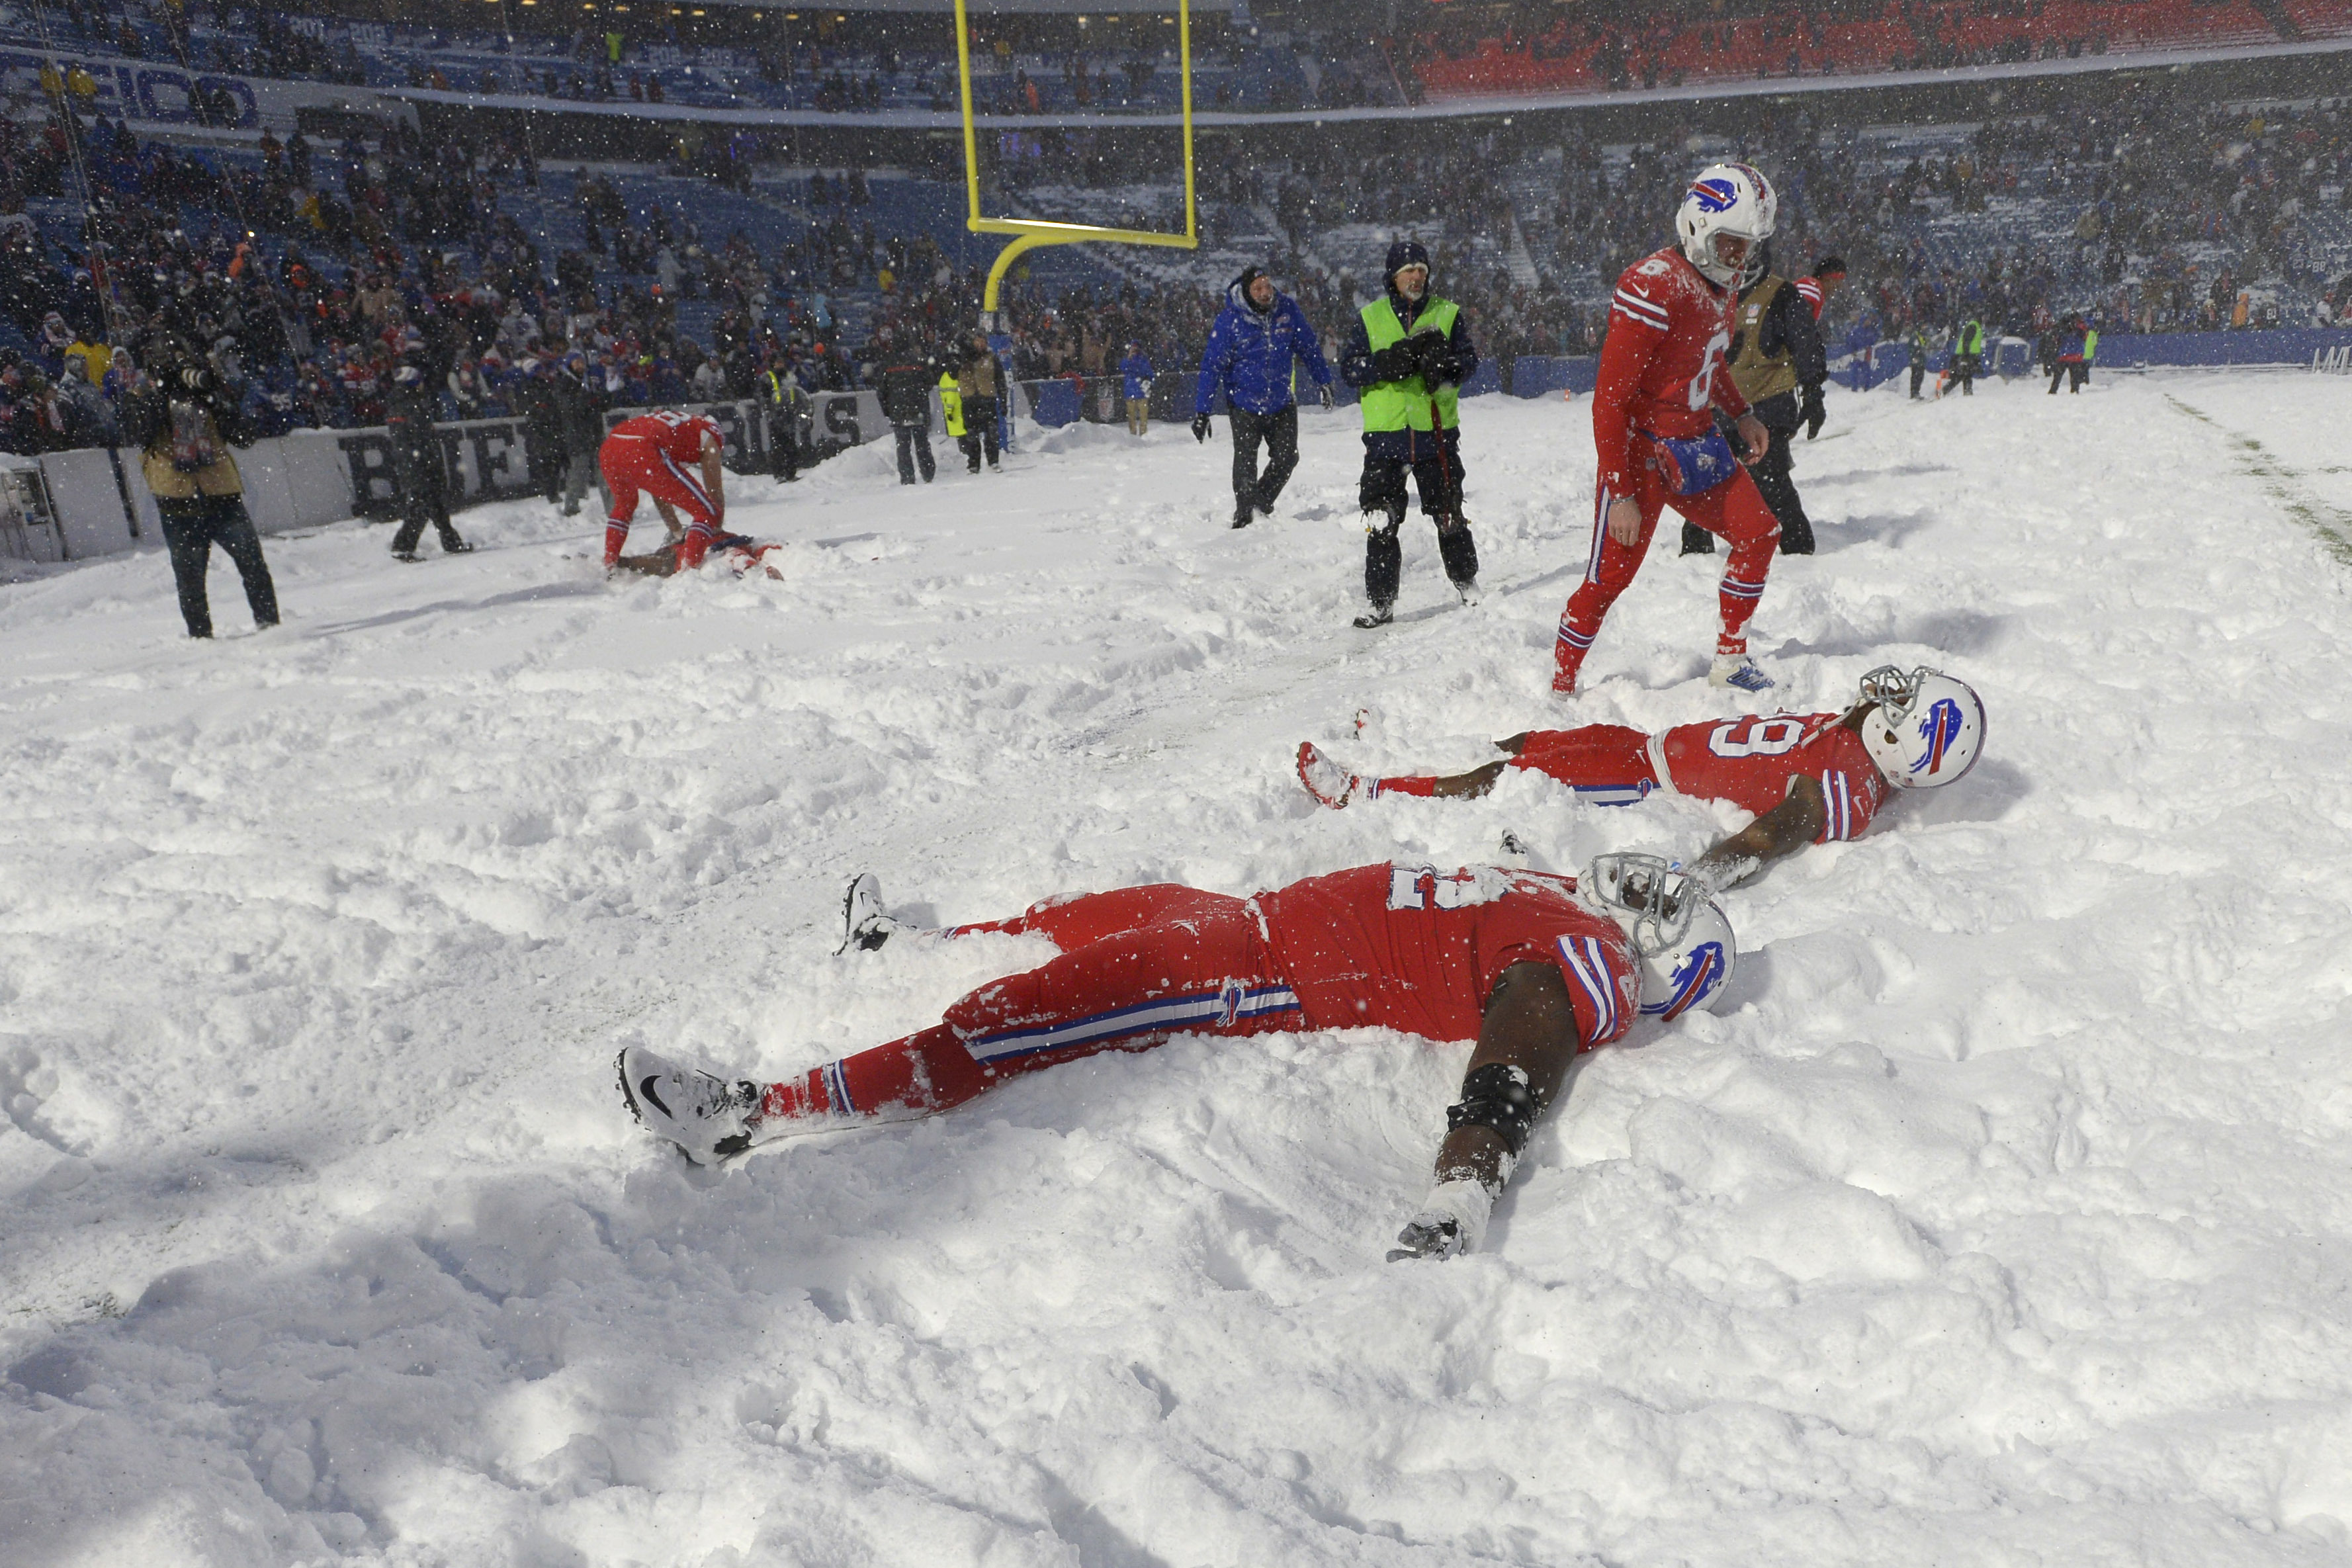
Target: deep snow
x=2004, y=1217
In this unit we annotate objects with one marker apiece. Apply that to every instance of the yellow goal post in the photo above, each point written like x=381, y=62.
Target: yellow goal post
x=1028, y=233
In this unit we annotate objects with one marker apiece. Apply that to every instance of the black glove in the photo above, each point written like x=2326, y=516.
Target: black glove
x=1324, y=393
x=1395, y=363
x=1435, y=358
x=1200, y=427
x=1811, y=413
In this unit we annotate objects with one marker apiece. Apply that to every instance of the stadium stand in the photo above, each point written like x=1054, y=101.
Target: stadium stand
x=309, y=260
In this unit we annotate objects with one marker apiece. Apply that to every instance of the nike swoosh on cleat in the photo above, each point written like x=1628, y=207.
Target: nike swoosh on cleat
x=646, y=1088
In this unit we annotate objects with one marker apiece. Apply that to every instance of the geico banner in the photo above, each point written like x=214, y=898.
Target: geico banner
x=163, y=94
x=490, y=459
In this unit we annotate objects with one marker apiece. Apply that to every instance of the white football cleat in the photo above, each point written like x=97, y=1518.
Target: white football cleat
x=1469, y=591
x=1326, y=780
x=1452, y=1221
x=709, y=1117
x=1738, y=671
x=863, y=924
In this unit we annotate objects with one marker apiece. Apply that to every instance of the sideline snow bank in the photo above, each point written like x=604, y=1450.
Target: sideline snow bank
x=2003, y=1220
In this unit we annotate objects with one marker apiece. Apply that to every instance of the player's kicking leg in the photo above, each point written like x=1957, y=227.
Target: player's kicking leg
x=1734, y=509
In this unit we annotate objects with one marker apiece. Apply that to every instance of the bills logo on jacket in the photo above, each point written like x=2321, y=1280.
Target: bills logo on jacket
x=1939, y=729
x=1716, y=195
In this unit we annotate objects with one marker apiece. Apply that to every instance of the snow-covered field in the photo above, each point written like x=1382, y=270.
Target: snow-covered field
x=2004, y=1216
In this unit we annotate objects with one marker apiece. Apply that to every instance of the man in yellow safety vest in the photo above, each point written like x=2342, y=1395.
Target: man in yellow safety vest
x=1408, y=357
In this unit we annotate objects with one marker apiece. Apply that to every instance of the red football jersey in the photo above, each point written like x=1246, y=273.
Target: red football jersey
x=682, y=436
x=1661, y=364
x=1752, y=762
x=1410, y=948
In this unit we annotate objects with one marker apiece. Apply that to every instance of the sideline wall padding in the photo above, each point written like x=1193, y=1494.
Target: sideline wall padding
x=88, y=502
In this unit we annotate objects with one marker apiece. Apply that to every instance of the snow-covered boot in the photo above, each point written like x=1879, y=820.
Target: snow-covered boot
x=863, y=924
x=709, y=1117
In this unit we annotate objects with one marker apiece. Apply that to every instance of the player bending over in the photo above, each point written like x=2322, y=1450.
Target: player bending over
x=654, y=453
x=1663, y=377
x=1513, y=960
x=1810, y=778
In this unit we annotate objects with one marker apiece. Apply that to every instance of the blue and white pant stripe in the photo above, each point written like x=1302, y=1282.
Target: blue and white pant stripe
x=1169, y=1014
x=1588, y=966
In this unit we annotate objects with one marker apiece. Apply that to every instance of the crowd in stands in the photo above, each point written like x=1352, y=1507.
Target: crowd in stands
x=309, y=267
x=1614, y=47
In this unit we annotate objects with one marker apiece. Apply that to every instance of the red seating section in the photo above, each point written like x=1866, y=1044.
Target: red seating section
x=1576, y=57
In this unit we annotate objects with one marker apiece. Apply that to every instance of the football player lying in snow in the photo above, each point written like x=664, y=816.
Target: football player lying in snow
x=1530, y=966
x=1810, y=777
x=737, y=552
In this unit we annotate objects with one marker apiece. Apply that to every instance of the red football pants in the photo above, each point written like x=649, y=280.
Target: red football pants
x=633, y=466
x=1734, y=510
x=1136, y=966
x=1599, y=758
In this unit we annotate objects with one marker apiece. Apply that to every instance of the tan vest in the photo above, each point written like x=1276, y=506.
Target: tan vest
x=1759, y=375
x=219, y=477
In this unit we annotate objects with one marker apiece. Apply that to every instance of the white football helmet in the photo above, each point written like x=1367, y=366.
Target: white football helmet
x=1680, y=934
x=1728, y=198
x=1929, y=728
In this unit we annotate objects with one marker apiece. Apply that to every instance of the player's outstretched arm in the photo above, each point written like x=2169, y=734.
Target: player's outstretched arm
x=1526, y=1041
x=1778, y=834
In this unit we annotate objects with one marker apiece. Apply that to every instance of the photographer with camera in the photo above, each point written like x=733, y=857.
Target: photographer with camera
x=184, y=420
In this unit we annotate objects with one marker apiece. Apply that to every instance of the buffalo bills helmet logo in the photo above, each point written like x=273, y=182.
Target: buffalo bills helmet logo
x=1939, y=729
x=1716, y=196
x=1698, y=973
x=1230, y=997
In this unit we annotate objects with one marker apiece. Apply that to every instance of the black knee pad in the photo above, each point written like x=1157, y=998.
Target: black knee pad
x=1496, y=1097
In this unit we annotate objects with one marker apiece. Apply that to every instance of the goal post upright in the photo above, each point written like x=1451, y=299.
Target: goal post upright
x=1029, y=234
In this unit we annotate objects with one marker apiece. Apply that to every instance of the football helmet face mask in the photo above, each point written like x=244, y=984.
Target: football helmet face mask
x=1680, y=934
x=1928, y=730
x=1733, y=199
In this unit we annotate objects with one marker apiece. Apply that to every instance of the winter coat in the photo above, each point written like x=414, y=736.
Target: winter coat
x=1139, y=372
x=206, y=424
x=580, y=411
x=1249, y=354
x=906, y=389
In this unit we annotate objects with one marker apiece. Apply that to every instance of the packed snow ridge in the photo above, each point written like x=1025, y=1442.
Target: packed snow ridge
x=2004, y=1215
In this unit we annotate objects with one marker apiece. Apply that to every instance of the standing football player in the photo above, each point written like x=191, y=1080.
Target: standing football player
x=1810, y=778
x=1529, y=965
x=1661, y=382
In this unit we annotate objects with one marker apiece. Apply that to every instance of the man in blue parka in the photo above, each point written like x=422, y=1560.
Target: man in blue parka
x=1258, y=334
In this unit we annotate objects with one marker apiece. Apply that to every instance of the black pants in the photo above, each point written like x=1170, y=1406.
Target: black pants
x=914, y=447
x=1435, y=464
x=423, y=498
x=1918, y=374
x=191, y=528
x=545, y=451
x=1771, y=476
x=1964, y=368
x=784, y=448
x=1253, y=490
x=2073, y=372
x=979, y=431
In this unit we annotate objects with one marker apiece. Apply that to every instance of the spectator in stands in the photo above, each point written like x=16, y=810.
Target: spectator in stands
x=1251, y=350
x=183, y=423
x=1136, y=375
x=979, y=382
x=906, y=389
x=1408, y=356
